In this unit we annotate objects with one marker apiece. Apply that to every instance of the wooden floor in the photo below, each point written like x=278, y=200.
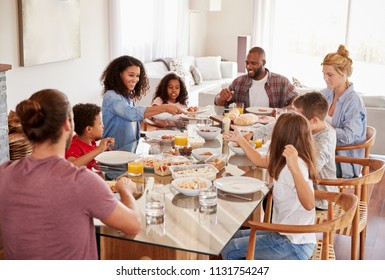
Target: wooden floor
x=375, y=239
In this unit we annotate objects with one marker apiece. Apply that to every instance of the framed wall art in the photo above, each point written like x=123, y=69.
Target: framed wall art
x=49, y=31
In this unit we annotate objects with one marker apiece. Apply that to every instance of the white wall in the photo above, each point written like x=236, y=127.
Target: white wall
x=78, y=78
x=216, y=33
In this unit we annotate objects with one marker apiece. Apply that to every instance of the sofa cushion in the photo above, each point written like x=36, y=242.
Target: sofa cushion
x=181, y=66
x=374, y=101
x=197, y=75
x=210, y=67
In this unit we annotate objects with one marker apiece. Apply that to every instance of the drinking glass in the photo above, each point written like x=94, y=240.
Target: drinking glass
x=155, y=207
x=208, y=199
x=135, y=168
x=279, y=111
x=181, y=140
x=240, y=106
x=258, y=143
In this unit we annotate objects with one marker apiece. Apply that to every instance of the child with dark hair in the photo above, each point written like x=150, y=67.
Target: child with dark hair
x=88, y=127
x=171, y=90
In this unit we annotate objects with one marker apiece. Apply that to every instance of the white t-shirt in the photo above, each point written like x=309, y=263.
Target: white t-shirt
x=287, y=209
x=257, y=93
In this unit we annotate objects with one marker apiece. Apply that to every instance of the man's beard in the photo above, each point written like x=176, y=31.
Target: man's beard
x=69, y=140
x=257, y=72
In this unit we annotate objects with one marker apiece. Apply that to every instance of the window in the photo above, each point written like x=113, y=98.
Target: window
x=302, y=37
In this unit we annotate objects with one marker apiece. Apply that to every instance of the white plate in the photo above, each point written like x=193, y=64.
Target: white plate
x=115, y=157
x=190, y=192
x=239, y=184
x=260, y=110
x=265, y=119
x=199, y=111
x=166, y=117
x=157, y=134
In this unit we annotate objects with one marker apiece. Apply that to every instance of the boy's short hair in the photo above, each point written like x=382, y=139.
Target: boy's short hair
x=312, y=104
x=84, y=115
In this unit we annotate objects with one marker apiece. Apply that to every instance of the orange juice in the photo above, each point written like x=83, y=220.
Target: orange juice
x=181, y=140
x=258, y=143
x=135, y=168
x=240, y=110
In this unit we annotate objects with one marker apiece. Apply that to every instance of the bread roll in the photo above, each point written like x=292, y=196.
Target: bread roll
x=233, y=114
x=246, y=119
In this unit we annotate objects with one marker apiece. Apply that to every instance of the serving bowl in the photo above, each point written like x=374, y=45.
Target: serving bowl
x=202, y=154
x=238, y=150
x=208, y=132
x=186, y=185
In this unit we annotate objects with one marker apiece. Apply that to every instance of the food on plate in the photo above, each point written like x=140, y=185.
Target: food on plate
x=167, y=137
x=149, y=163
x=234, y=113
x=162, y=164
x=262, y=110
x=207, y=130
x=192, y=109
x=206, y=154
x=204, y=171
x=265, y=119
x=246, y=119
x=218, y=163
x=191, y=184
x=171, y=152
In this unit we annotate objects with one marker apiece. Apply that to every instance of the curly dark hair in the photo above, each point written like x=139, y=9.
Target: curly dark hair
x=85, y=115
x=161, y=90
x=111, y=79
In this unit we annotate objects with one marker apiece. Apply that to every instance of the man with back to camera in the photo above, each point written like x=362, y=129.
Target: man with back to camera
x=259, y=87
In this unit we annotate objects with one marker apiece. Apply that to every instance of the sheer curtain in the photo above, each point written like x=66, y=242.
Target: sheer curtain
x=149, y=29
x=297, y=34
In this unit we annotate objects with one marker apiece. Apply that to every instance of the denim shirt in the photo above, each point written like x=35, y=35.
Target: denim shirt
x=349, y=121
x=118, y=114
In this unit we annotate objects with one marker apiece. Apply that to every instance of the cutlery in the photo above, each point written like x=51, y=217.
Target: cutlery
x=238, y=196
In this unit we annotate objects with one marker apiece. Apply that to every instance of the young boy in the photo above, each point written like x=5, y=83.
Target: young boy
x=88, y=127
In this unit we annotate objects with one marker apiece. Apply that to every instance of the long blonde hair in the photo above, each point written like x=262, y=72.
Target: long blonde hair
x=340, y=61
x=291, y=128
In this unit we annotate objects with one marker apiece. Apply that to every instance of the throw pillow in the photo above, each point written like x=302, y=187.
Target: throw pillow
x=181, y=66
x=210, y=67
x=197, y=75
x=297, y=83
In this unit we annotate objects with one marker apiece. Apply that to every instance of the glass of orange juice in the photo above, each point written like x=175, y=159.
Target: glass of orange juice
x=240, y=106
x=258, y=143
x=181, y=140
x=135, y=168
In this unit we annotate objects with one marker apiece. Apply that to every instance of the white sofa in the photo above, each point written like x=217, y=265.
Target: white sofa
x=214, y=72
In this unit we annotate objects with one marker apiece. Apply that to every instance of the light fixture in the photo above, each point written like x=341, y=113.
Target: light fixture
x=205, y=5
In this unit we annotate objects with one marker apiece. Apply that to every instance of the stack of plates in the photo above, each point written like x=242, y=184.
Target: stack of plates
x=19, y=146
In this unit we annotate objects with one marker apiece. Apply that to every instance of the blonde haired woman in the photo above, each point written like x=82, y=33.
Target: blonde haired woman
x=347, y=113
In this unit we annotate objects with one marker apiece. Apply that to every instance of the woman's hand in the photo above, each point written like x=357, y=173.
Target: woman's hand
x=291, y=155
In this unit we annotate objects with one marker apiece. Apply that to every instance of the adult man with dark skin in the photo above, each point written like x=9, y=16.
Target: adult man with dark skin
x=259, y=87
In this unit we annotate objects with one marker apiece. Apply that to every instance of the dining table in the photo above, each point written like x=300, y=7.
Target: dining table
x=188, y=230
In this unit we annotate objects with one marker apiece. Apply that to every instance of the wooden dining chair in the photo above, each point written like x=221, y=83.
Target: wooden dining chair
x=367, y=144
x=346, y=202
x=373, y=170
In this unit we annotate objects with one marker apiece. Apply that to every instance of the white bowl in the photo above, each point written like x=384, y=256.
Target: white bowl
x=208, y=132
x=238, y=150
x=191, y=180
x=167, y=117
x=199, y=153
